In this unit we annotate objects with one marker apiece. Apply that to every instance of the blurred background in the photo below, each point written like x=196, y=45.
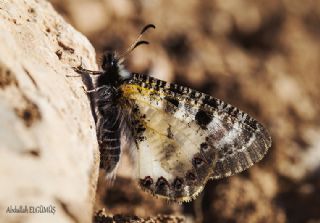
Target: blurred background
x=261, y=56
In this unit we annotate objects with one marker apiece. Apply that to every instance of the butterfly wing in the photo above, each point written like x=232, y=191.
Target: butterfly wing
x=185, y=137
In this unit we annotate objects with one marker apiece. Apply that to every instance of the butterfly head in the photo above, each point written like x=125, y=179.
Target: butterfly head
x=109, y=62
x=113, y=72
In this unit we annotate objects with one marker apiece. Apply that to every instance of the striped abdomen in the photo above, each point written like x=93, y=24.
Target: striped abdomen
x=108, y=127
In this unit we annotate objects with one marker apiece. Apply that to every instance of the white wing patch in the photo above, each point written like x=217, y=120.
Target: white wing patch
x=165, y=155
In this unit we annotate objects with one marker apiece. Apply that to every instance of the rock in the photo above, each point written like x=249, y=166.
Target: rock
x=101, y=217
x=48, y=148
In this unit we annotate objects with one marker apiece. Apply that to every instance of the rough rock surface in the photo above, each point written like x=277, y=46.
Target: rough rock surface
x=101, y=217
x=48, y=150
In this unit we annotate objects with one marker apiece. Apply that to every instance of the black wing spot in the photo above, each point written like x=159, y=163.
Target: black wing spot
x=146, y=182
x=173, y=101
x=176, y=88
x=178, y=184
x=162, y=183
x=197, y=162
x=204, y=146
x=169, y=132
x=210, y=101
x=203, y=119
x=190, y=176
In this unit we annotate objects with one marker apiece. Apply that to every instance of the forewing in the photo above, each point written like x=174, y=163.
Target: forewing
x=185, y=137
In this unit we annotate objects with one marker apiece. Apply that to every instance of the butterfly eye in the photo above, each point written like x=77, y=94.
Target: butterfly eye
x=109, y=60
x=146, y=182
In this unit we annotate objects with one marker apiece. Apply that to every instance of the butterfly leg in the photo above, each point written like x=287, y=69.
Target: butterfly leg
x=91, y=91
x=81, y=70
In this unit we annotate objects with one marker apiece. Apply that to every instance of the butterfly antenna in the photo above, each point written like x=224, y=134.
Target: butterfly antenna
x=137, y=42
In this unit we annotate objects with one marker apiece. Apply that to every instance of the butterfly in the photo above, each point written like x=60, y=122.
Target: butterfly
x=180, y=137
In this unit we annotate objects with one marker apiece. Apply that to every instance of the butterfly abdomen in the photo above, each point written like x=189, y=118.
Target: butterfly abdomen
x=108, y=127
